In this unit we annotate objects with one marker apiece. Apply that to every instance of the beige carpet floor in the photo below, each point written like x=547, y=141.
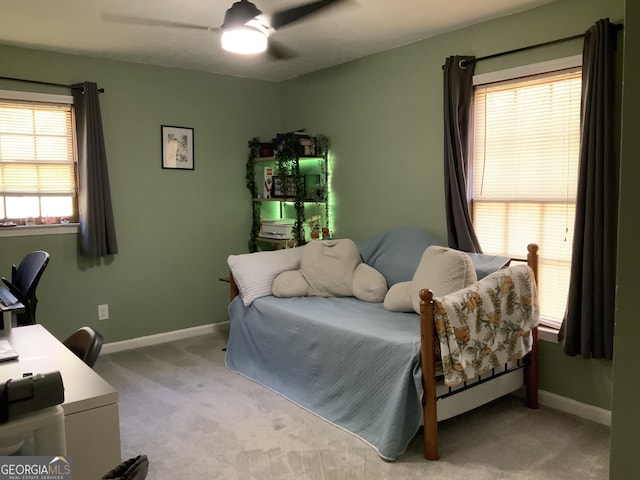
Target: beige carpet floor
x=195, y=419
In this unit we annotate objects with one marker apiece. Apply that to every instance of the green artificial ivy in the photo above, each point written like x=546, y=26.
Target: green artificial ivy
x=250, y=177
x=299, y=205
x=287, y=165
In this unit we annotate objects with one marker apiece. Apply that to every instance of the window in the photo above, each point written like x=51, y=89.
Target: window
x=37, y=158
x=525, y=151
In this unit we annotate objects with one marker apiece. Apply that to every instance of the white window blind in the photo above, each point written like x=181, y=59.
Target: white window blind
x=37, y=160
x=525, y=167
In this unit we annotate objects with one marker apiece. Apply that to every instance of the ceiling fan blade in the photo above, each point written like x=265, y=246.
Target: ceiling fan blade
x=277, y=51
x=290, y=15
x=117, y=18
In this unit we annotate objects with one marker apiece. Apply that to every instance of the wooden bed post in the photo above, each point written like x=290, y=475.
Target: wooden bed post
x=532, y=259
x=233, y=287
x=427, y=353
x=427, y=363
x=531, y=370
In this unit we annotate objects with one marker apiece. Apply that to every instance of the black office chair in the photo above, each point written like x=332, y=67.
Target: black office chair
x=135, y=468
x=86, y=344
x=24, y=280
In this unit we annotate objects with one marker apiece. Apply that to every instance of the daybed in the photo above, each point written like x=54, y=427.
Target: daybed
x=382, y=374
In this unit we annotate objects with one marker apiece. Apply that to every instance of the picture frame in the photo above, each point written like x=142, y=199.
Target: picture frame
x=290, y=187
x=177, y=148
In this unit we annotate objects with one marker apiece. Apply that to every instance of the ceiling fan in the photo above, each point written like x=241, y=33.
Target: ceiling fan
x=245, y=29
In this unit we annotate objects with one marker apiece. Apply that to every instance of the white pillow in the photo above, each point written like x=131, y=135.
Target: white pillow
x=290, y=284
x=398, y=298
x=369, y=285
x=254, y=272
x=443, y=271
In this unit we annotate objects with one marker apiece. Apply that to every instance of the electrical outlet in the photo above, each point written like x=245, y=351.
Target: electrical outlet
x=103, y=312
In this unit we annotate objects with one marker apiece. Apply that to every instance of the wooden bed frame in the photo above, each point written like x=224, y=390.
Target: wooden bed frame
x=427, y=353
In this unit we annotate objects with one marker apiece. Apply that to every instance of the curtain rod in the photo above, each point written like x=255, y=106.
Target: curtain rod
x=72, y=87
x=618, y=27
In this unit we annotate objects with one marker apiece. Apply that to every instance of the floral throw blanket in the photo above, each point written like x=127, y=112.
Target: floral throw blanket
x=487, y=324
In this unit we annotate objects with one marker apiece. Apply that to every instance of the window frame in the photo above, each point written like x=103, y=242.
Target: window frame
x=547, y=332
x=25, y=96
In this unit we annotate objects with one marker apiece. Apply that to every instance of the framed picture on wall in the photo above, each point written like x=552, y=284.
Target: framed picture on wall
x=177, y=148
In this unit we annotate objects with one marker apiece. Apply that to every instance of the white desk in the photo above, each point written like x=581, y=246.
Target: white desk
x=92, y=421
x=47, y=427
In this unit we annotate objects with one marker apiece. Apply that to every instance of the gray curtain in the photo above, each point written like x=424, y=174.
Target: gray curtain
x=458, y=94
x=97, y=227
x=587, y=329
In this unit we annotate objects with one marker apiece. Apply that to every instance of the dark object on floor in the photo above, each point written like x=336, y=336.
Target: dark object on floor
x=24, y=280
x=86, y=343
x=133, y=469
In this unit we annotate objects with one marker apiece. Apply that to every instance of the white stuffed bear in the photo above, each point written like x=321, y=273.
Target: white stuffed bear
x=331, y=268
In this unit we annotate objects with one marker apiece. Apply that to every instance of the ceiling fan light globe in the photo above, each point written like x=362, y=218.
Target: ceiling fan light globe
x=244, y=40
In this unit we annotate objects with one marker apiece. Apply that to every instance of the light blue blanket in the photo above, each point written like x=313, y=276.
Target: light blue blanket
x=350, y=362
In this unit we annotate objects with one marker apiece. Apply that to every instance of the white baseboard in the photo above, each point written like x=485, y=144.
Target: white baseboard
x=568, y=405
x=546, y=399
x=112, y=347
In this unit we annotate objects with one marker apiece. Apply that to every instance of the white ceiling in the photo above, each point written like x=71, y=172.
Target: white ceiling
x=351, y=30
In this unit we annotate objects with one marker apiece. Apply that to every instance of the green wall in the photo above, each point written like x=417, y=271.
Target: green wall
x=383, y=114
x=175, y=228
x=625, y=461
